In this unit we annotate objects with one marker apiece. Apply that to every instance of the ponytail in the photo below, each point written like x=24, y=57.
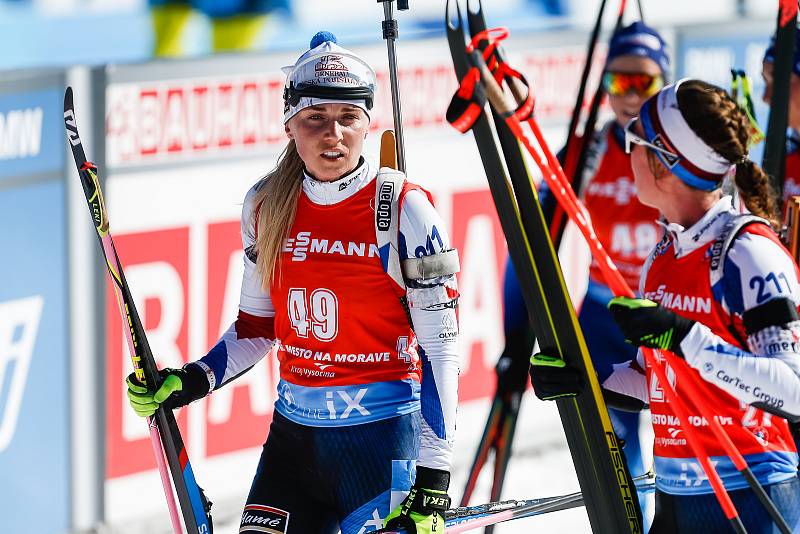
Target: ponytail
x=756, y=191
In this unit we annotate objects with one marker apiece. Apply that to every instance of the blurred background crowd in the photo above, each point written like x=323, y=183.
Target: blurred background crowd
x=66, y=32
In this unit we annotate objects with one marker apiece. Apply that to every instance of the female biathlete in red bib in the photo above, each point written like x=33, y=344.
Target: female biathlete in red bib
x=722, y=294
x=350, y=279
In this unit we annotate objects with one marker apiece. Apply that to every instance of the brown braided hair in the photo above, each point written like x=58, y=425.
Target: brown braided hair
x=719, y=121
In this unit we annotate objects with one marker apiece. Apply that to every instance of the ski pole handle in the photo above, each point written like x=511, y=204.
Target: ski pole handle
x=388, y=150
x=494, y=92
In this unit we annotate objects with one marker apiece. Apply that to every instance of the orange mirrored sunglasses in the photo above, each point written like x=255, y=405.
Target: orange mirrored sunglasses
x=621, y=83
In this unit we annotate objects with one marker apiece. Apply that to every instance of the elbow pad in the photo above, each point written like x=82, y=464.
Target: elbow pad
x=431, y=281
x=776, y=312
x=444, y=263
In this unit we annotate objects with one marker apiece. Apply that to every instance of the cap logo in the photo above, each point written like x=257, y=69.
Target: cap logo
x=330, y=63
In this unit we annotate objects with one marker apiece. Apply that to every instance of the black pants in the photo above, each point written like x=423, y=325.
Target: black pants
x=701, y=514
x=321, y=479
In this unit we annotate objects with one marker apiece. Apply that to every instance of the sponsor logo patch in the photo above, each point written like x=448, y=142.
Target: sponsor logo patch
x=260, y=518
x=383, y=212
x=678, y=301
x=330, y=62
x=620, y=191
x=304, y=243
x=670, y=159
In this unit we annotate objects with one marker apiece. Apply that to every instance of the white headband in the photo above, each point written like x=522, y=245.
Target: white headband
x=698, y=164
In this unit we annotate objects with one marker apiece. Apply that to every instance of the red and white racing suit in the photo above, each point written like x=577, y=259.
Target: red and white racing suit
x=741, y=369
x=336, y=322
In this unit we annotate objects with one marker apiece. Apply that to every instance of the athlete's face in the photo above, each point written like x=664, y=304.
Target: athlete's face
x=643, y=177
x=329, y=138
x=627, y=106
x=794, y=93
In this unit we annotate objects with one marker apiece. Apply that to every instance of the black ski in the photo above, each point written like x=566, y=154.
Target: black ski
x=194, y=505
x=774, y=159
x=611, y=500
x=513, y=362
x=511, y=371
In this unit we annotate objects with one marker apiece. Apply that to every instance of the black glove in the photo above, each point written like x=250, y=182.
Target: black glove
x=552, y=378
x=512, y=366
x=422, y=511
x=178, y=388
x=645, y=323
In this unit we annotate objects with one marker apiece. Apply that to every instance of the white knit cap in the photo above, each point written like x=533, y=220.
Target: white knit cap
x=326, y=74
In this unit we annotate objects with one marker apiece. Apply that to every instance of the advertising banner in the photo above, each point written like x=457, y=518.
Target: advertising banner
x=34, y=377
x=30, y=135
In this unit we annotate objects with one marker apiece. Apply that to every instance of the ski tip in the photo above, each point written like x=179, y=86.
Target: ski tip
x=452, y=15
x=476, y=12
x=68, y=97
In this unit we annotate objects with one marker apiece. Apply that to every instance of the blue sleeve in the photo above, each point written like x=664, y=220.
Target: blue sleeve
x=515, y=314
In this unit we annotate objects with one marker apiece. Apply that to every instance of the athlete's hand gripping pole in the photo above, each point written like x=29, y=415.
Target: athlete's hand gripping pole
x=423, y=509
x=179, y=387
x=565, y=195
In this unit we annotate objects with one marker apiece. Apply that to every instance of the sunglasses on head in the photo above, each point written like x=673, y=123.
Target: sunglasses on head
x=633, y=139
x=621, y=83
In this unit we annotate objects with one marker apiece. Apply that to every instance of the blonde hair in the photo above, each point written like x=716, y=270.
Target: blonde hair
x=275, y=209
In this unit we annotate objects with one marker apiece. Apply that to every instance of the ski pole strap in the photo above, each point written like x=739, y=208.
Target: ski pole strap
x=502, y=71
x=526, y=105
x=468, y=102
x=470, y=98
